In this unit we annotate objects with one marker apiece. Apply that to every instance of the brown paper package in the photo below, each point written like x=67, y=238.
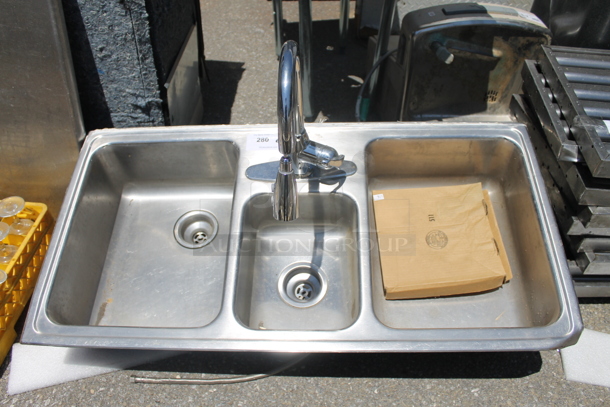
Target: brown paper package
x=439, y=241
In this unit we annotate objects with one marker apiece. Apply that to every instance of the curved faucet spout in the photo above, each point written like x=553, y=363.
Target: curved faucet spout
x=299, y=155
x=290, y=128
x=289, y=101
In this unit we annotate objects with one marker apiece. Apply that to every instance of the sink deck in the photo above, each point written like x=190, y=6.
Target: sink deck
x=116, y=277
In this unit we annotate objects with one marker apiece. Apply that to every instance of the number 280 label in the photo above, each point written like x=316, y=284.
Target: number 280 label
x=261, y=142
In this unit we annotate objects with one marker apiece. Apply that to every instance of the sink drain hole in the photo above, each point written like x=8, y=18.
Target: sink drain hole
x=302, y=285
x=303, y=292
x=199, y=237
x=196, y=229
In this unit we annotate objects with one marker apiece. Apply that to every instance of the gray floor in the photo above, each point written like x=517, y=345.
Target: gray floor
x=243, y=68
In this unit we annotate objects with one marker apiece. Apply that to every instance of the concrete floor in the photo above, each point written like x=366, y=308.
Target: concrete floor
x=242, y=67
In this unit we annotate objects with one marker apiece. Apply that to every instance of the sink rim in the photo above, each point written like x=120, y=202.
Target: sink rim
x=367, y=334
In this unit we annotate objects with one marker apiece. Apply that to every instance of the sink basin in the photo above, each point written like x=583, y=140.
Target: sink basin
x=163, y=242
x=530, y=298
x=315, y=253
x=123, y=266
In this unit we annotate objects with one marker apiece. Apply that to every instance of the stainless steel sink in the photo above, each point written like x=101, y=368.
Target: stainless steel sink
x=292, y=273
x=164, y=243
x=120, y=264
x=529, y=299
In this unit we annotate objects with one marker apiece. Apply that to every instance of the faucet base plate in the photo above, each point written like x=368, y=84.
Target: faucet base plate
x=268, y=172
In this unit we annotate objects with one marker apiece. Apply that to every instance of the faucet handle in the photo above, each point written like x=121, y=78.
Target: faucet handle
x=336, y=161
x=321, y=155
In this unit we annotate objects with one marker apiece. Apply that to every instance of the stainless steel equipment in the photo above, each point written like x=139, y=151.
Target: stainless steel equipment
x=40, y=120
x=299, y=154
x=459, y=60
x=567, y=92
x=305, y=32
x=115, y=275
x=555, y=128
x=569, y=99
x=579, y=81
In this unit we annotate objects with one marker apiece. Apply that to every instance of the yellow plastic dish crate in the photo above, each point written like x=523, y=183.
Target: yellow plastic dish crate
x=22, y=271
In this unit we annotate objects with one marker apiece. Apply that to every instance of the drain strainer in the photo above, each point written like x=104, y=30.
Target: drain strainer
x=303, y=292
x=302, y=285
x=196, y=229
x=200, y=237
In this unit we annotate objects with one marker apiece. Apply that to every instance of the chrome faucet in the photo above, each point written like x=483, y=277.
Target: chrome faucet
x=300, y=155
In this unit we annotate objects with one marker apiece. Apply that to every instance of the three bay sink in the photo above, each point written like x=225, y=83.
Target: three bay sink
x=163, y=242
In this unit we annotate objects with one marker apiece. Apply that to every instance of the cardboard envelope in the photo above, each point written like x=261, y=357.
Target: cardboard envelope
x=439, y=241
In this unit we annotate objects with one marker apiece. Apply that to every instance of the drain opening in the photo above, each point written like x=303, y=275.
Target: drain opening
x=303, y=292
x=196, y=229
x=199, y=237
x=302, y=285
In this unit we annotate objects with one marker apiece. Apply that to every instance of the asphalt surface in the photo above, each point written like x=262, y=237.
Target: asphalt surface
x=242, y=67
